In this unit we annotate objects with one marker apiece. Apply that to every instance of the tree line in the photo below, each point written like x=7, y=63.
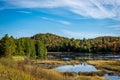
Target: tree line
x=10, y=46
x=55, y=43
x=38, y=45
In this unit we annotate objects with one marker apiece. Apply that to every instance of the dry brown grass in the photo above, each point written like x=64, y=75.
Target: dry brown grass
x=22, y=70
x=45, y=74
x=110, y=65
x=90, y=78
x=50, y=64
x=55, y=62
x=7, y=73
x=93, y=73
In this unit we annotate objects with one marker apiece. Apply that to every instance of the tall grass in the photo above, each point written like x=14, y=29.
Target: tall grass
x=9, y=62
x=90, y=78
x=18, y=58
x=21, y=70
x=7, y=73
x=11, y=69
x=110, y=65
x=93, y=73
x=41, y=73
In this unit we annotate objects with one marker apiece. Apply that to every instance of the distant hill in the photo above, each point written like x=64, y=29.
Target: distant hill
x=48, y=36
x=109, y=38
x=51, y=40
x=57, y=43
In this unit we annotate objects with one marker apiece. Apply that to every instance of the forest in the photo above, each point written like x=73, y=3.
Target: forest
x=55, y=43
x=10, y=46
x=38, y=45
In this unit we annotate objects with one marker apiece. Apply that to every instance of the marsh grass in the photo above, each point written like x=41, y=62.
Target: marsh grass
x=109, y=65
x=90, y=78
x=11, y=69
x=94, y=73
x=9, y=62
x=55, y=62
x=72, y=74
x=41, y=73
x=18, y=58
x=7, y=73
x=22, y=70
x=49, y=64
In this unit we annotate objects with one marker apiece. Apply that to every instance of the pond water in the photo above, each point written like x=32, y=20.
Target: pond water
x=72, y=55
x=84, y=67
x=112, y=77
x=100, y=56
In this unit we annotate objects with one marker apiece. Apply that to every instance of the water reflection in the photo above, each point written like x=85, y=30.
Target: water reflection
x=82, y=67
x=112, y=77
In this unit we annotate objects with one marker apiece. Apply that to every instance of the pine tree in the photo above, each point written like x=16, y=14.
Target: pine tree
x=7, y=46
x=20, y=47
x=41, y=50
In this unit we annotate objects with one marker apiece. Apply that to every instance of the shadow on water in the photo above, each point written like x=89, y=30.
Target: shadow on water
x=83, y=56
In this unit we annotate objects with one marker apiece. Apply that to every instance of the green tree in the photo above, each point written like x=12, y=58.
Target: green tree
x=7, y=46
x=41, y=50
x=27, y=47
x=20, y=47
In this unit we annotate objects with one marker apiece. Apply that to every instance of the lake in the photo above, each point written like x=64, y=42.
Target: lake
x=94, y=56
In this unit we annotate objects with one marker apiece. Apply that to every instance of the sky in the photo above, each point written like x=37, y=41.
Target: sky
x=69, y=18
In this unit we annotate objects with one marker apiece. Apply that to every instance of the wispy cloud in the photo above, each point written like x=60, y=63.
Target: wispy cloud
x=58, y=21
x=46, y=18
x=99, y=9
x=64, y=22
x=25, y=12
x=85, y=34
x=115, y=27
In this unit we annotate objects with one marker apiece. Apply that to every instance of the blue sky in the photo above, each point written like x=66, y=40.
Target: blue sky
x=69, y=18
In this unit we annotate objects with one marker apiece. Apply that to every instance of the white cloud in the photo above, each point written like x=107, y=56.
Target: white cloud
x=49, y=19
x=64, y=22
x=25, y=12
x=85, y=34
x=99, y=9
x=58, y=21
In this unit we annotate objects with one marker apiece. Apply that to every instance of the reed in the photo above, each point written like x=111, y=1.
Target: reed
x=106, y=64
x=21, y=70
x=94, y=73
x=7, y=73
x=90, y=78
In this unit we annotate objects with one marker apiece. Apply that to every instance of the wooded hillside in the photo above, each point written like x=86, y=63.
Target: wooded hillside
x=62, y=44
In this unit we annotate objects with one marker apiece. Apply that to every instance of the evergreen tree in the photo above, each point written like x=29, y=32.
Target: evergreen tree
x=41, y=50
x=20, y=47
x=7, y=46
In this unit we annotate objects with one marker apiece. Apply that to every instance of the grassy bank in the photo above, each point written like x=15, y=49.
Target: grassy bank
x=109, y=65
x=90, y=78
x=49, y=64
x=93, y=73
x=7, y=73
x=21, y=70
